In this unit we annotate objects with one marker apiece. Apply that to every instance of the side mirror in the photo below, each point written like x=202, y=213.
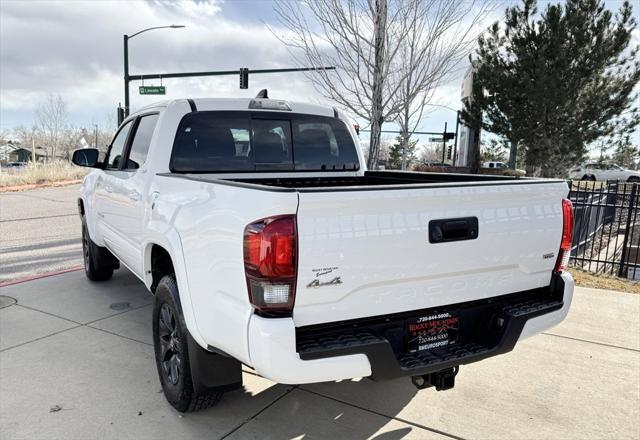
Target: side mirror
x=86, y=157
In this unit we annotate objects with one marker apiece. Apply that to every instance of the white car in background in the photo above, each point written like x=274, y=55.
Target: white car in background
x=603, y=171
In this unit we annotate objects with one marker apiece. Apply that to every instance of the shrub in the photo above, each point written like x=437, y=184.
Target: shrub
x=40, y=173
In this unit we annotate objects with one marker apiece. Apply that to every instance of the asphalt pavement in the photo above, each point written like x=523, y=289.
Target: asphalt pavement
x=39, y=231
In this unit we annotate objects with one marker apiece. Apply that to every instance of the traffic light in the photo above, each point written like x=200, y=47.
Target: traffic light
x=449, y=150
x=244, y=78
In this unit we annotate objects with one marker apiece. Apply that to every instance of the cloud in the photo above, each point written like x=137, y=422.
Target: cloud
x=75, y=49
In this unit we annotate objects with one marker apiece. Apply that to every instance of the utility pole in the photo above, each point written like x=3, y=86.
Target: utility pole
x=444, y=142
x=96, y=131
x=33, y=149
x=454, y=156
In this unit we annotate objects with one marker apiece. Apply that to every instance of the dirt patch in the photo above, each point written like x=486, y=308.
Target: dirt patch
x=588, y=279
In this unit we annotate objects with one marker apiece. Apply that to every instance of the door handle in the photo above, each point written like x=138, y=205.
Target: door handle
x=453, y=229
x=134, y=195
x=108, y=188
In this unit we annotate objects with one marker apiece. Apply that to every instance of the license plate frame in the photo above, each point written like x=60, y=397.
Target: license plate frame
x=433, y=331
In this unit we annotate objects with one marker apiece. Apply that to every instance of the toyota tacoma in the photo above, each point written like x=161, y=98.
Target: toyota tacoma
x=266, y=242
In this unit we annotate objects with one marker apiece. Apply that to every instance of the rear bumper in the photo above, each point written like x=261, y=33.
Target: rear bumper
x=375, y=347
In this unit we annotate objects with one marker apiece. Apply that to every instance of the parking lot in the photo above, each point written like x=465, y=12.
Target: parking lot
x=76, y=362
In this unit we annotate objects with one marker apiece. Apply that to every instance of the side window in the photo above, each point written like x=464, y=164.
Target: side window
x=141, y=142
x=117, y=147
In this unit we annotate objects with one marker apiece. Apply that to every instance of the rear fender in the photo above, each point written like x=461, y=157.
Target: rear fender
x=167, y=237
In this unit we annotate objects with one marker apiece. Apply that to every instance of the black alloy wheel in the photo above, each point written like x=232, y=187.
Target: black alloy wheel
x=171, y=355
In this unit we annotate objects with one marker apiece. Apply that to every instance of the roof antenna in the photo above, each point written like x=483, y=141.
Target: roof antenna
x=263, y=94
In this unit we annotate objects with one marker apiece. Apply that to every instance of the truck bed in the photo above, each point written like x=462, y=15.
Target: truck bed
x=371, y=180
x=392, y=242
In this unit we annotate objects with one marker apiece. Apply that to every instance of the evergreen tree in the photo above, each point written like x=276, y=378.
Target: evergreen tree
x=493, y=151
x=625, y=153
x=395, y=154
x=554, y=84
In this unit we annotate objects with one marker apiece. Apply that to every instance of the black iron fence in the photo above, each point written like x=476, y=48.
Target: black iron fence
x=606, y=236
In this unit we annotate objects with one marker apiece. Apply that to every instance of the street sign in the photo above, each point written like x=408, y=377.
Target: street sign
x=153, y=90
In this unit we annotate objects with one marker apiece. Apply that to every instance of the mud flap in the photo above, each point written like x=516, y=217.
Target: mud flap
x=213, y=371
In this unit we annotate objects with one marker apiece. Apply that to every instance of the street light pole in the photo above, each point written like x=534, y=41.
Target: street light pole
x=126, y=75
x=126, y=39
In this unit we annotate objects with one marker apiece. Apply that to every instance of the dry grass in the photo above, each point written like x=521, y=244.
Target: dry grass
x=588, y=279
x=38, y=174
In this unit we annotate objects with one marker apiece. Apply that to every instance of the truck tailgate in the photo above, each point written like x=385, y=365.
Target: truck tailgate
x=367, y=252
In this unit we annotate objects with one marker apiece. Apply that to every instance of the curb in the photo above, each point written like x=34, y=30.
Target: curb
x=29, y=186
x=40, y=275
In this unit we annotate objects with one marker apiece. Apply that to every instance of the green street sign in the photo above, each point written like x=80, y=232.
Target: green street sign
x=153, y=90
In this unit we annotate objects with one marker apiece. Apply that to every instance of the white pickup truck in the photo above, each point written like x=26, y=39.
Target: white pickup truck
x=267, y=243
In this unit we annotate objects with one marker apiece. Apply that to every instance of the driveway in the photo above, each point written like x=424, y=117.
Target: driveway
x=76, y=362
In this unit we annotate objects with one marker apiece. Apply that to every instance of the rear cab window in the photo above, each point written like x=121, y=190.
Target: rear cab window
x=214, y=141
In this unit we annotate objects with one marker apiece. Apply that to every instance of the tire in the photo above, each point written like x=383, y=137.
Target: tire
x=585, y=177
x=172, y=352
x=98, y=262
x=633, y=179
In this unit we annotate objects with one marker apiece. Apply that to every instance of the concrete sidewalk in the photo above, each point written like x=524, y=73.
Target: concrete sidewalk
x=70, y=344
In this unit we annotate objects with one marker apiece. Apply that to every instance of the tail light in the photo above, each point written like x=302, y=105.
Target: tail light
x=270, y=263
x=567, y=234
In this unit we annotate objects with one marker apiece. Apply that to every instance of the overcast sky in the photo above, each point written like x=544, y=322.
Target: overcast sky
x=74, y=49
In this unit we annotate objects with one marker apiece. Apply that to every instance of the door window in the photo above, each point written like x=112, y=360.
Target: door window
x=117, y=147
x=141, y=142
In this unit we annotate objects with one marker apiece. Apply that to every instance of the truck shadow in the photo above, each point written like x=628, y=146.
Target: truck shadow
x=341, y=410
x=264, y=409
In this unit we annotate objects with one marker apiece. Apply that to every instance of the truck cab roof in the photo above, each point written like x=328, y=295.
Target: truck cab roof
x=242, y=104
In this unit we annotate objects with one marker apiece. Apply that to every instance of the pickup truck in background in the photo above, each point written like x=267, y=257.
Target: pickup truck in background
x=266, y=242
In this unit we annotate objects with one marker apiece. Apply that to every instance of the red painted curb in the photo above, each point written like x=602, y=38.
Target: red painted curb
x=40, y=275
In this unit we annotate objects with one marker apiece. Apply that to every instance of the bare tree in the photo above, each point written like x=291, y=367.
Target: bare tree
x=362, y=39
x=440, y=34
x=52, y=120
x=390, y=55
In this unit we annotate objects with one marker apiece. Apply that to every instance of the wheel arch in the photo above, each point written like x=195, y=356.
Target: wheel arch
x=163, y=246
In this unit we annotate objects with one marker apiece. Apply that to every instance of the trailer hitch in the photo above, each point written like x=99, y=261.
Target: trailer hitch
x=442, y=380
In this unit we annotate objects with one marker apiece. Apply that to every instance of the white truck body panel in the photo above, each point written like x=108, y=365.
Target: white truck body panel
x=377, y=242
x=375, y=239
